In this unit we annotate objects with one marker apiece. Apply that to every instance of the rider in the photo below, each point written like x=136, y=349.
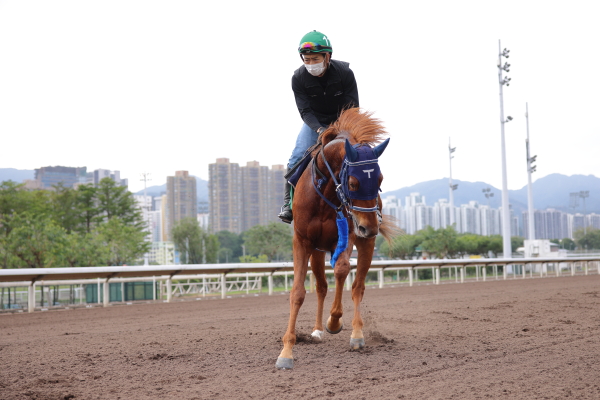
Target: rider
x=323, y=88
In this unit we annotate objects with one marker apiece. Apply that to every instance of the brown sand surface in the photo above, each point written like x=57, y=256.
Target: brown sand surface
x=517, y=339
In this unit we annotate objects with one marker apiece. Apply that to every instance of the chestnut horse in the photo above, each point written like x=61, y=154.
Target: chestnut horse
x=324, y=217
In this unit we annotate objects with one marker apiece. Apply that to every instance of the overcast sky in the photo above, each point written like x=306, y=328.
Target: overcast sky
x=160, y=86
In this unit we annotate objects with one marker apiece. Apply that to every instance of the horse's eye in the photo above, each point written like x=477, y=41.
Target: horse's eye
x=353, y=184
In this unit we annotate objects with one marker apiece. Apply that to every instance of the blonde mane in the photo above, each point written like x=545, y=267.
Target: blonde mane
x=358, y=125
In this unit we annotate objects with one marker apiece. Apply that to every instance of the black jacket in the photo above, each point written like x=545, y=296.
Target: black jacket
x=320, y=106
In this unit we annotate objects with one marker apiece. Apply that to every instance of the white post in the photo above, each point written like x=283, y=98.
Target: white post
x=410, y=276
x=496, y=271
x=348, y=281
x=477, y=273
x=153, y=288
x=99, y=291
x=523, y=266
x=286, y=281
x=123, y=291
x=586, y=267
x=437, y=275
x=484, y=272
x=31, y=297
x=557, y=269
x=456, y=273
x=381, y=278
x=106, y=292
x=223, y=286
x=169, y=290
x=270, y=284
x=572, y=269
x=80, y=294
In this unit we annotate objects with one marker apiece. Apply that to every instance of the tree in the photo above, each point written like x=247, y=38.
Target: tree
x=84, y=250
x=567, y=244
x=113, y=200
x=64, y=207
x=86, y=207
x=37, y=241
x=402, y=247
x=231, y=241
x=440, y=243
x=516, y=242
x=273, y=240
x=589, y=240
x=194, y=244
x=124, y=243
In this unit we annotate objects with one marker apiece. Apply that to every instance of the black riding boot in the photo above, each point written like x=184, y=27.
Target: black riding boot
x=286, y=211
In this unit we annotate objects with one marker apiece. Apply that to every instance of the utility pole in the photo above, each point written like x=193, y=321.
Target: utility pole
x=530, y=169
x=506, y=245
x=584, y=194
x=452, y=187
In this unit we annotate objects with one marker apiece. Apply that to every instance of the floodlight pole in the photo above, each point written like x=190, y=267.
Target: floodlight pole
x=530, y=170
x=506, y=245
x=145, y=178
x=452, y=187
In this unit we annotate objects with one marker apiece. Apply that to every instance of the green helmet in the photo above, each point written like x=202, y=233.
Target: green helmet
x=315, y=42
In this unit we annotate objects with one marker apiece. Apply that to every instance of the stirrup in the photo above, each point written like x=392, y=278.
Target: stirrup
x=286, y=215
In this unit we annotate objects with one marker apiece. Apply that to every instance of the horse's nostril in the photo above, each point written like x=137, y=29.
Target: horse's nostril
x=362, y=229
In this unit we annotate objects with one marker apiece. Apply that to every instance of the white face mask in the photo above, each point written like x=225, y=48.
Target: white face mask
x=315, y=69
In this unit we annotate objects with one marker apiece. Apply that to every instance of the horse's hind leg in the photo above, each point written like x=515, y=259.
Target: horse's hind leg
x=365, y=249
x=301, y=254
x=317, y=264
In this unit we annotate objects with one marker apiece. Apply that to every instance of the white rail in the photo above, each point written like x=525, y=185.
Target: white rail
x=56, y=276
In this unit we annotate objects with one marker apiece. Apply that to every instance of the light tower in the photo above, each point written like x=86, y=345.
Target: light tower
x=530, y=170
x=506, y=246
x=452, y=187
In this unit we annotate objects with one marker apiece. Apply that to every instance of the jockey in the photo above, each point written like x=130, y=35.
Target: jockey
x=323, y=88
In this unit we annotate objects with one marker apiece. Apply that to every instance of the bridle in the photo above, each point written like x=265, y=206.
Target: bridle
x=341, y=188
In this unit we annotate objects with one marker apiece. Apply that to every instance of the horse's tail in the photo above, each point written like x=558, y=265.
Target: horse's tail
x=389, y=228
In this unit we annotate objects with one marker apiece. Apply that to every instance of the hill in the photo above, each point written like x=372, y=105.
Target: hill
x=16, y=175
x=157, y=190
x=551, y=191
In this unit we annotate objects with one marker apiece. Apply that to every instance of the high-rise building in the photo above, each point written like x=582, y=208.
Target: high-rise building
x=47, y=177
x=181, y=199
x=242, y=197
x=549, y=224
x=225, y=199
x=97, y=175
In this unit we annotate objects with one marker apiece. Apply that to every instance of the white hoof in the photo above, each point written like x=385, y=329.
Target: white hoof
x=317, y=334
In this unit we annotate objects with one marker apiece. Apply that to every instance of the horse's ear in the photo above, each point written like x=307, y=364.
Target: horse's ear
x=351, y=152
x=378, y=150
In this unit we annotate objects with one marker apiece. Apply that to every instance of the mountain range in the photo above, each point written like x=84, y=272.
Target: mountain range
x=551, y=191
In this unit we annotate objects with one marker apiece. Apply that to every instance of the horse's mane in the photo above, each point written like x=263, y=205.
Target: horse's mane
x=358, y=125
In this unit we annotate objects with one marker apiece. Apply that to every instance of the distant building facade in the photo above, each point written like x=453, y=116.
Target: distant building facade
x=181, y=199
x=242, y=197
x=47, y=177
x=97, y=175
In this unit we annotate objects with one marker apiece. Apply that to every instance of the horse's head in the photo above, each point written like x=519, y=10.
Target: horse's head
x=361, y=179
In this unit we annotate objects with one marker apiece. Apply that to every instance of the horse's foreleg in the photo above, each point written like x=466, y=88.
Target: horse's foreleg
x=365, y=249
x=342, y=268
x=286, y=358
x=317, y=264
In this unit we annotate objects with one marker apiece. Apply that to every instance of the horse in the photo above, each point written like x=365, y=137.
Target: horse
x=336, y=206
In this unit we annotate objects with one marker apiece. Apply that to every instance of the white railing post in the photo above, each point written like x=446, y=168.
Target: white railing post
x=410, y=276
x=81, y=294
x=223, y=286
x=381, y=278
x=31, y=297
x=153, y=289
x=572, y=268
x=106, y=292
x=462, y=274
x=169, y=290
x=99, y=291
x=270, y=284
x=484, y=272
x=523, y=272
x=437, y=275
x=586, y=267
x=348, y=282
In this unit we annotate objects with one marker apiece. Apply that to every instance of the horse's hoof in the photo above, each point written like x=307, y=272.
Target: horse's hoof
x=357, y=344
x=284, y=363
x=317, y=335
x=334, y=332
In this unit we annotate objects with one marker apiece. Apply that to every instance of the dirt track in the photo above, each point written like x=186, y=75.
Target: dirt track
x=530, y=339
